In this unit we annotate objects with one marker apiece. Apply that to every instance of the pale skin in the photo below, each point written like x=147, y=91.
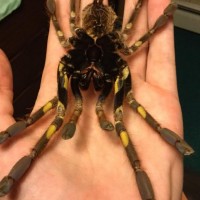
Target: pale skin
x=93, y=164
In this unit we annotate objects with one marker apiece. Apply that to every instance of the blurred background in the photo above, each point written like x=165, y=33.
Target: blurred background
x=187, y=44
x=23, y=37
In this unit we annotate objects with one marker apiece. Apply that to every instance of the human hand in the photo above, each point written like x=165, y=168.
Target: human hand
x=93, y=164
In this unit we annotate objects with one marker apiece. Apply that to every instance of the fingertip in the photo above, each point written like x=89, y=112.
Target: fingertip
x=6, y=90
x=5, y=72
x=161, y=69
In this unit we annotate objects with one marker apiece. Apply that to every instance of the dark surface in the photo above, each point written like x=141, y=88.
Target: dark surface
x=188, y=72
x=192, y=185
x=23, y=36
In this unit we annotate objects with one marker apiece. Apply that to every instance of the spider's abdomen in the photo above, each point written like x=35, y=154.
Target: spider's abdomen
x=98, y=19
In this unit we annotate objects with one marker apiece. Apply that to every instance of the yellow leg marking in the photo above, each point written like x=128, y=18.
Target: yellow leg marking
x=60, y=33
x=51, y=130
x=138, y=43
x=125, y=36
x=129, y=26
x=151, y=31
x=119, y=110
x=66, y=82
x=61, y=65
x=60, y=110
x=47, y=107
x=124, y=138
x=72, y=25
x=73, y=14
x=125, y=72
x=117, y=85
x=142, y=111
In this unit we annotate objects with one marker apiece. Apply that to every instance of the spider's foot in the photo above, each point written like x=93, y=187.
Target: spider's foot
x=15, y=174
x=5, y=185
x=184, y=148
x=163, y=19
x=171, y=8
x=3, y=136
x=68, y=130
x=144, y=185
x=175, y=140
x=106, y=125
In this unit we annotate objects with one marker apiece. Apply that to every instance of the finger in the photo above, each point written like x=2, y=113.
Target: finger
x=177, y=177
x=183, y=197
x=55, y=52
x=6, y=92
x=137, y=61
x=161, y=59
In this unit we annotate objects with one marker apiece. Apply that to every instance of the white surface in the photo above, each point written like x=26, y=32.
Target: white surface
x=187, y=15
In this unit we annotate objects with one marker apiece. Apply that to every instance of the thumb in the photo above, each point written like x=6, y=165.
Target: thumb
x=6, y=92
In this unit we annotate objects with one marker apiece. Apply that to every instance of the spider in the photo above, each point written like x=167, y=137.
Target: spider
x=94, y=55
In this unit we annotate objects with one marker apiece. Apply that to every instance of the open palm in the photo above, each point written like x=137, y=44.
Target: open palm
x=93, y=164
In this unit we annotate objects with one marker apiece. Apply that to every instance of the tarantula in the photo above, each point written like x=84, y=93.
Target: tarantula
x=94, y=55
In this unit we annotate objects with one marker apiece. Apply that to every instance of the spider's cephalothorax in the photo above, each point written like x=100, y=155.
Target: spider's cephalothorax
x=98, y=19
x=93, y=59
x=93, y=55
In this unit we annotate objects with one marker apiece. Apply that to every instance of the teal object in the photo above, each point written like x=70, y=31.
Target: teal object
x=7, y=7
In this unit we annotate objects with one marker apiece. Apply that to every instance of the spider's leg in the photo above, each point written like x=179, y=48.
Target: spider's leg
x=51, y=6
x=69, y=128
x=118, y=7
x=74, y=14
x=104, y=123
x=168, y=135
x=160, y=22
x=21, y=125
x=143, y=181
x=22, y=166
x=132, y=19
